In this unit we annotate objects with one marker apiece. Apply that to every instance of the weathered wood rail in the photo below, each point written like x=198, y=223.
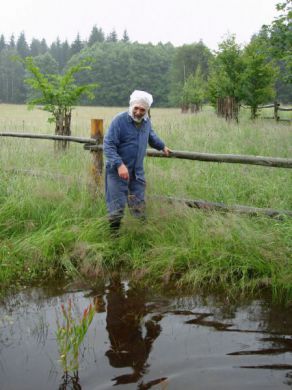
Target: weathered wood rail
x=90, y=144
x=79, y=140
x=94, y=145
x=205, y=205
x=220, y=158
x=277, y=107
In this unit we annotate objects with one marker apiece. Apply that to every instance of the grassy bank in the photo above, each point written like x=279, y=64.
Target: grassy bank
x=52, y=225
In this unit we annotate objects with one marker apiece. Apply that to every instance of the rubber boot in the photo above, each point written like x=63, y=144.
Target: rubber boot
x=114, y=224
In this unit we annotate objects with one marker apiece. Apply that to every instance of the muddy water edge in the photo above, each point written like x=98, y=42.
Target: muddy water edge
x=140, y=339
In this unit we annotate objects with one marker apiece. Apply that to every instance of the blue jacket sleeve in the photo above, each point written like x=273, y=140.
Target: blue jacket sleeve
x=154, y=141
x=111, y=143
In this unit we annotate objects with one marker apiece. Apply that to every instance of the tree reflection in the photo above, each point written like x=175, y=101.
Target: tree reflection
x=131, y=335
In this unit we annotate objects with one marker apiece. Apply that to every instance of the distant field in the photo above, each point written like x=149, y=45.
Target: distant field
x=53, y=226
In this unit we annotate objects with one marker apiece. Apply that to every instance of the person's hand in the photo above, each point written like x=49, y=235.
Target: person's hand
x=167, y=151
x=123, y=172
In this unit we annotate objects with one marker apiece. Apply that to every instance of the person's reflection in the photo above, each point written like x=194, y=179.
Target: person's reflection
x=131, y=338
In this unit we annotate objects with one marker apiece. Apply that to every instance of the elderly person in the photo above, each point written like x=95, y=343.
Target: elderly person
x=125, y=146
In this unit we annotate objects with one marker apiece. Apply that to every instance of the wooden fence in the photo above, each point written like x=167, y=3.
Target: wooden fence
x=277, y=108
x=94, y=145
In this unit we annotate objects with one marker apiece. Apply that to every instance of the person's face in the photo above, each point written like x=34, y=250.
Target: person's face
x=138, y=112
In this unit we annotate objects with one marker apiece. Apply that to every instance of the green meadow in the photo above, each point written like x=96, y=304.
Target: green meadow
x=53, y=222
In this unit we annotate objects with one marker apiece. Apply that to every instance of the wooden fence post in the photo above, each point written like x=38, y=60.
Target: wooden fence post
x=276, y=107
x=96, y=132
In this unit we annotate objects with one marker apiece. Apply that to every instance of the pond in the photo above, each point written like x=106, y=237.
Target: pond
x=144, y=340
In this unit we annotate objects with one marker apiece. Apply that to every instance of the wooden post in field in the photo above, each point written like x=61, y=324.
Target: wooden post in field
x=276, y=107
x=96, y=132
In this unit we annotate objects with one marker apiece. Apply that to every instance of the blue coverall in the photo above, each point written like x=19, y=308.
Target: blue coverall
x=126, y=143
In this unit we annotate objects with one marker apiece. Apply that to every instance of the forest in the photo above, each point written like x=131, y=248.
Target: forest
x=189, y=74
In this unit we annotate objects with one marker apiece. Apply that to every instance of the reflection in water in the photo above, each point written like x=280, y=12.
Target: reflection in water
x=289, y=379
x=131, y=335
x=218, y=344
x=70, y=382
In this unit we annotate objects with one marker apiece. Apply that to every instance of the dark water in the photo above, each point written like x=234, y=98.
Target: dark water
x=138, y=340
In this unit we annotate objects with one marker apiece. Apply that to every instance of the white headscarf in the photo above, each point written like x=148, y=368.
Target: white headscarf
x=141, y=98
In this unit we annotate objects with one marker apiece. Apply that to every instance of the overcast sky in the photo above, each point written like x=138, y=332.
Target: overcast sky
x=175, y=21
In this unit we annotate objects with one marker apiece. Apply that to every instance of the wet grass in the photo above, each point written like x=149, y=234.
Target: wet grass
x=53, y=225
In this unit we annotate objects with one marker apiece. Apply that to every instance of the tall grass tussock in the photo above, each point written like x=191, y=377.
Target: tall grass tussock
x=52, y=225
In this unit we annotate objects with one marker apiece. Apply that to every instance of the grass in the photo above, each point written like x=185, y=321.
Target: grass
x=52, y=224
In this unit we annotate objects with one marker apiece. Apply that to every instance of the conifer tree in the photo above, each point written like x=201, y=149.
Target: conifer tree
x=35, y=47
x=12, y=42
x=112, y=37
x=44, y=46
x=2, y=42
x=125, y=36
x=22, y=46
x=96, y=35
x=279, y=35
x=194, y=91
x=76, y=46
x=258, y=77
x=56, y=52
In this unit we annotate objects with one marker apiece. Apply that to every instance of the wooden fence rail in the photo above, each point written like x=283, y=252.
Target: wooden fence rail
x=205, y=205
x=90, y=144
x=220, y=158
x=284, y=109
x=276, y=107
x=80, y=140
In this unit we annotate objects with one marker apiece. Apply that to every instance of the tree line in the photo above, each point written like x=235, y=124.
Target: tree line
x=185, y=76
